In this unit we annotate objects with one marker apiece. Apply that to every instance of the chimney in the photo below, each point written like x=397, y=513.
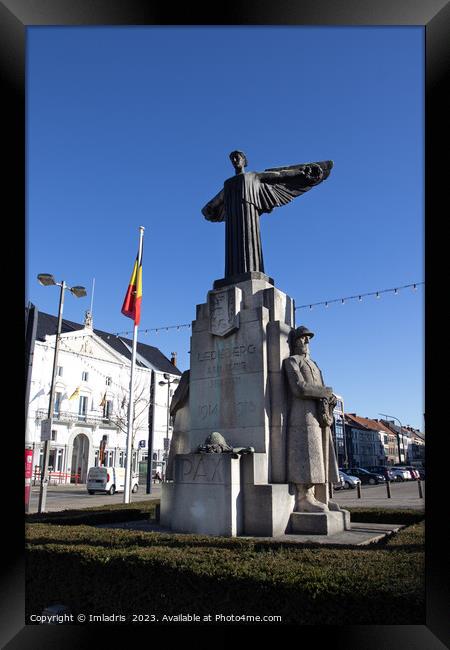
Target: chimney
x=173, y=359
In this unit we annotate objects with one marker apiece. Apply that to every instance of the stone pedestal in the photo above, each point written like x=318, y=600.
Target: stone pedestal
x=239, y=340
x=319, y=523
x=237, y=387
x=205, y=497
x=267, y=506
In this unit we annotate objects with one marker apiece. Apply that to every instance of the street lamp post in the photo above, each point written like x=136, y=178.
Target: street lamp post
x=398, y=434
x=47, y=280
x=151, y=429
x=169, y=382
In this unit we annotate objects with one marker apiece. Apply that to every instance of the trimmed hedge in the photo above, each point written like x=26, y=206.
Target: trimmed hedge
x=408, y=539
x=405, y=516
x=142, y=510
x=105, y=514
x=118, y=571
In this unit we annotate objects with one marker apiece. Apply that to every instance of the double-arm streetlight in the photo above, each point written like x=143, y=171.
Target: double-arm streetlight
x=384, y=415
x=169, y=382
x=47, y=280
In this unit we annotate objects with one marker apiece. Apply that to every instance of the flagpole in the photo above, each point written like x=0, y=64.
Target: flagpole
x=92, y=296
x=126, y=495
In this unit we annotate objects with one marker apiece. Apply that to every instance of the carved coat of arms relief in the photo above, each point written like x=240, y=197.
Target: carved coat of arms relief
x=224, y=305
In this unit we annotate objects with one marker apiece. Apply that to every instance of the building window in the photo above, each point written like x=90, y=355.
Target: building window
x=84, y=376
x=82, y=407
x=57, y=404
x=108, y=381
x=59, y=371
x=53, y=434
x=107, y=409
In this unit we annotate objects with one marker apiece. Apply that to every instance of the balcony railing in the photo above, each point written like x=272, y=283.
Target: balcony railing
x=66, y=417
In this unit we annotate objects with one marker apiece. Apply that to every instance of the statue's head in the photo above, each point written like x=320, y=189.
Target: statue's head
x=237, y=156
x=300, y=339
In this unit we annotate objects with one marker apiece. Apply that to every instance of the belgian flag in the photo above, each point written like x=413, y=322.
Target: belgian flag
x=132, y=304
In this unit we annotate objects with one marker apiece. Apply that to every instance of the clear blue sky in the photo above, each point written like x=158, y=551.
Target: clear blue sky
x=130, y=126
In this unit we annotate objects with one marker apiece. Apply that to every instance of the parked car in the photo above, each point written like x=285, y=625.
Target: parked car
x=109, y=480
x=366, y=477
x=413, y=471
x=400, y=474
x=348, y=482
x=421, y=471
x=381, y=469
x=340, y=484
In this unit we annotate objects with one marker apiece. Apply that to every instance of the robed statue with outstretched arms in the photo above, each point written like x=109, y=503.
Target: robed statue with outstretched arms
x=247, y=195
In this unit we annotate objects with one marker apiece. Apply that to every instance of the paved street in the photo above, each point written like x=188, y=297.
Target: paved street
x=403, y=495
x=67, y=497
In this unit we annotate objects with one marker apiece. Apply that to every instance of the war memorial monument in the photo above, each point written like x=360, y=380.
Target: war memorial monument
x=252, y=452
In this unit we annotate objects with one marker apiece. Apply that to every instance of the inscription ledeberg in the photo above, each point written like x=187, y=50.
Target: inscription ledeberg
x=226, y=352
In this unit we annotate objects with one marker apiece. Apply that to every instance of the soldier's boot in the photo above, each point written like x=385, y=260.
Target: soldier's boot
x=305, y=500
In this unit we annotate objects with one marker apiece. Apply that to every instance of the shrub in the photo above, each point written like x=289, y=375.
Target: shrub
x=104, y=570
x=405, y=516
x=115, y=513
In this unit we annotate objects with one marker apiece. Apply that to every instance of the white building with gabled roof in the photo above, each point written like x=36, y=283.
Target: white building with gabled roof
x=91, y=399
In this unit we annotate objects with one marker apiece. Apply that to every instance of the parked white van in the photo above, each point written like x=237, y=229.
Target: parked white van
x=109, y=480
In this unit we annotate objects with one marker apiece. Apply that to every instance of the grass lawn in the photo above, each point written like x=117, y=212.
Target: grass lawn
x=101, y=570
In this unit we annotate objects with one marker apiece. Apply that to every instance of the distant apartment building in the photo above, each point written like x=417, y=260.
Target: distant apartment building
x=382, y=442
x=338, y=433
x=369, y=442
x=410, y=441
x=416, y=447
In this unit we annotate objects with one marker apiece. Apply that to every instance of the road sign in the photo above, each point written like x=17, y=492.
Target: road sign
x=46, y=429
x=142, y=443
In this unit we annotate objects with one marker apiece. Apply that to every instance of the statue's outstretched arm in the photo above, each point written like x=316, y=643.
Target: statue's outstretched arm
x=214, y=210
x=279, y=177
x=280, y=185
x=313, y=172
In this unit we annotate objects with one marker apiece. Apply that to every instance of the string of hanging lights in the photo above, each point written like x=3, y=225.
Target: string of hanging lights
x=326, y=303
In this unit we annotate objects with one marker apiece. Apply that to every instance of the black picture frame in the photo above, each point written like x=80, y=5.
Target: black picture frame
x=433, y=15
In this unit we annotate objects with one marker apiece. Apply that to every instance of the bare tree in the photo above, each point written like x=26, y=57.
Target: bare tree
x=119, y=416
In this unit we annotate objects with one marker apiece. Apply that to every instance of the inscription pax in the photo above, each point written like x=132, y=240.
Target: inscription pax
x=200, y=469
